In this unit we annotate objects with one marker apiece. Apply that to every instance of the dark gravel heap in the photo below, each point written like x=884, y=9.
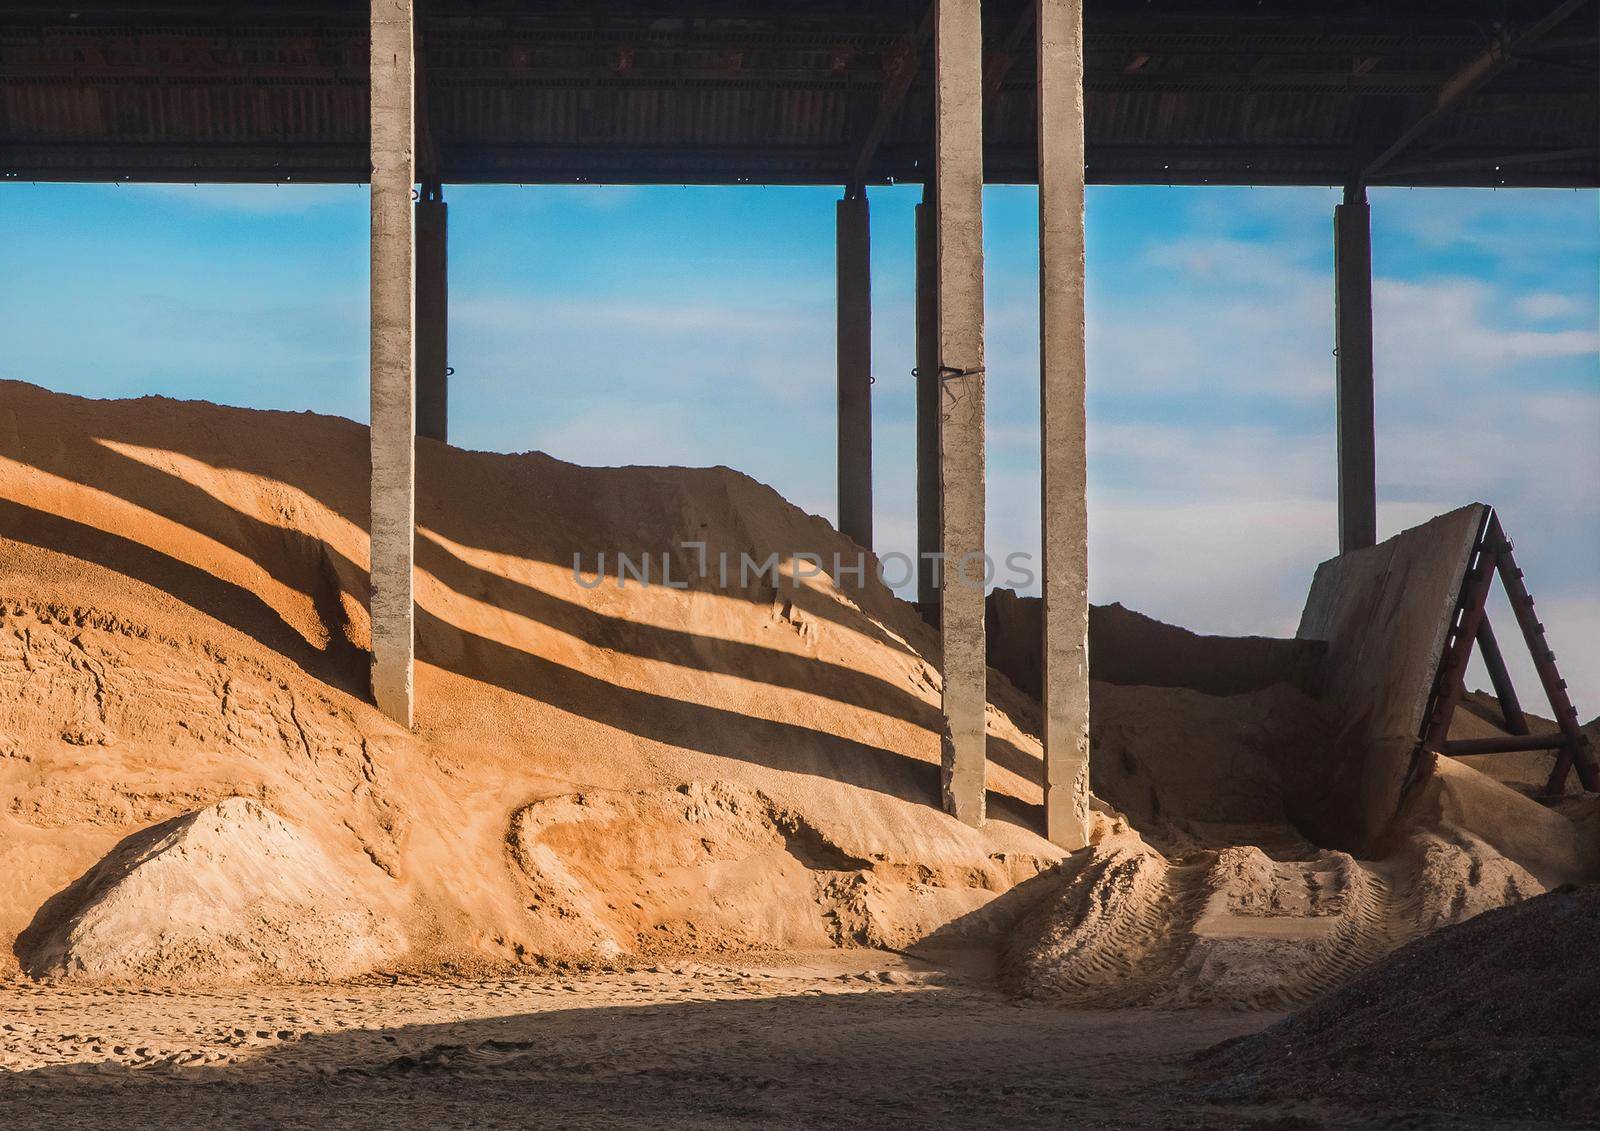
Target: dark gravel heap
x=1498, y=1016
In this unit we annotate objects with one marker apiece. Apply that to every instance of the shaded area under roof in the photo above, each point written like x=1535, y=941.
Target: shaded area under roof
x=787, y=92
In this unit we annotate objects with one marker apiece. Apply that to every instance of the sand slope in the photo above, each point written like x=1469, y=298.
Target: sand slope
x=600, y=769
x=182, y=594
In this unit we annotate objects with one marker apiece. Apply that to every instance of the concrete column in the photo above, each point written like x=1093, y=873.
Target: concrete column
x=433, y=315
x=927, y=391
x=958, y=210
x=1358, y=491
x=1063, y=462
x=393, y=358
x=854, y=325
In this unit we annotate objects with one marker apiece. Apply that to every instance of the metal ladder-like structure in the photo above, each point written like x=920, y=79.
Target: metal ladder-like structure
x=1491, y=555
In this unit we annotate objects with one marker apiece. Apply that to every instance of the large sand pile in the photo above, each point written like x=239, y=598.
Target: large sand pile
x=182, y=620
x=598, y=769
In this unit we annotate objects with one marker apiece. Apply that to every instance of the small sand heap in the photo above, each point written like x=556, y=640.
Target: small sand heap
x=232, y=893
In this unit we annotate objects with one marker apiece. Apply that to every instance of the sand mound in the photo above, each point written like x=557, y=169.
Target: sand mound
x=231, y=893
x=1457, y=801
x=1219, y=900
x=1231, y=928
x=1492, y=1017
x=1277, y=923
x=695, y=860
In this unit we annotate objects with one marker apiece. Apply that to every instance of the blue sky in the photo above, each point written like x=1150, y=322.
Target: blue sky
x=694, y=326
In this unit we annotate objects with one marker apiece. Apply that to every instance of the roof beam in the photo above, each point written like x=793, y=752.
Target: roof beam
x=998, y=63
x=1574, y=154
x=1468, y=80
x=900, y=65
x=426, y=139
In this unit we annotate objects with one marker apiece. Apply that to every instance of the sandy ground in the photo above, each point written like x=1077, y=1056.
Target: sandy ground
x=840, y=1039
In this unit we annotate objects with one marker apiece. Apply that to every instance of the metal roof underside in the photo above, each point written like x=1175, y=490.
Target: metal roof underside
x=768, y=91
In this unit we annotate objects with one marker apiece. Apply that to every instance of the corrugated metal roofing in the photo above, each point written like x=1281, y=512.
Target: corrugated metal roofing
x=557, y=90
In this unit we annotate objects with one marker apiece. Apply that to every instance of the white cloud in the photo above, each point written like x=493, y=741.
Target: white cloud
x=518, y=314
x=1217, y=316
x=1232, y=565
x=1232, y=263
x=1528, y=235
x=1211, y=461
x=1544, y=306
x=1452, y=331
x=281, y=198
x=670, y=381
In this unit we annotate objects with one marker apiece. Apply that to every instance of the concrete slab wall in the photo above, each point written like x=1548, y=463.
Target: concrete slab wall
x=1385, y=613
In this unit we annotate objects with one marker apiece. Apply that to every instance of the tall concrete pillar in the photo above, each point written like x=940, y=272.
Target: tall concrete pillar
x=393, y=357
x=854, y=327
x=958, y=210
x=1063, y=460
x=433, y=314
x=927, y=396
x=1358, y=490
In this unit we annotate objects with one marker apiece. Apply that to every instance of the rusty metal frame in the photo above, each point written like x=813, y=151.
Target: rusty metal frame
x=1491, y=557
